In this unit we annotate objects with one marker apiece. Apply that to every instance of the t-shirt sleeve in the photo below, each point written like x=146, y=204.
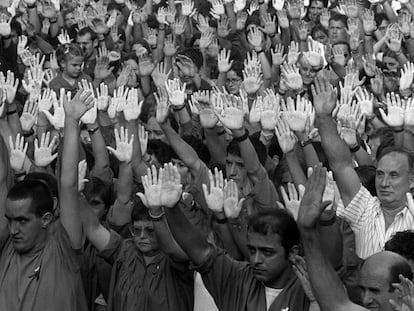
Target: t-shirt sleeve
x=113, y=249
x=196, y=189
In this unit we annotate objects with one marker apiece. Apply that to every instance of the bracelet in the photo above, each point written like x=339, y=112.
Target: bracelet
x=305, y=143
x=9, y=113
x=221, y=133
x=260, y=51
x=368, y=35
x=327, y=222
x=29, y=133
x=396, y=130
x=179, y=108
x=52, y=21
x=355, y=149
x=243, y=137
x=220, y=221
x=92, y=131
x=272, y=36
x=156, y=217
x=32, y=6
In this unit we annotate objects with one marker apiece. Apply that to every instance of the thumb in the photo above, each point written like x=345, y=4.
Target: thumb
x=205, y=191
x=240, y=204
x=280, y=205
x=48, y=116
x=143, y=199
x=324, y=205
x=383, y=115
x=111, y=150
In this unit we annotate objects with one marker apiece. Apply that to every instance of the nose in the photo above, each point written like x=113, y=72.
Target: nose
x=385, y=182
x=151, y=135
x=233, y=170
x=366, y=298
x=257, y=258
x=13, y=228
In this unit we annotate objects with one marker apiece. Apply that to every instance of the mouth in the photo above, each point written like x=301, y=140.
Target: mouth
x=385, y=193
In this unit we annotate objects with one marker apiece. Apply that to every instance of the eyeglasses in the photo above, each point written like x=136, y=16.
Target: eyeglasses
x=235, y=80
x=137, y=231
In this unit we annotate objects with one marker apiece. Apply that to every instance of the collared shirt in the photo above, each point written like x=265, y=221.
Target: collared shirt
x=365, y=216
x=161, y=285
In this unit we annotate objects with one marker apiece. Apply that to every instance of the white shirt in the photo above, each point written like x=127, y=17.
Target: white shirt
x=271, y=294
x=365, y=216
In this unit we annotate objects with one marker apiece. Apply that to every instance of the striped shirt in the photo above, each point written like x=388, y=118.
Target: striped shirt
x=365, y=216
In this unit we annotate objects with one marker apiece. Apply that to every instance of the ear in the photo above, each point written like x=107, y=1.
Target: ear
x=411, y=181
x=95, y=43
x=294, y=251
x=47, y=218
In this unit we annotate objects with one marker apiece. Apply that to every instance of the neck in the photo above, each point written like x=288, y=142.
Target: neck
x=68, y=79
x=149, y=257
x=393, y=207
x=41, y=243
x=283, y=279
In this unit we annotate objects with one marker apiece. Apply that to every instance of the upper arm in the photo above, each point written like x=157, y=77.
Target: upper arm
x=348, y=182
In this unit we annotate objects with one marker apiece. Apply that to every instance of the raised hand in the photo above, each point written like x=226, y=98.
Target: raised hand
x=292, y=198
x=64, y=38
x=369, y=65
x=33, y=85
x=394, y=40
x=241, y=20
x=299, y=267
x=145, y=65
x=254, y=6
x=293, y=78
x=269, y=24
x=313, y=55
x=278, y=4
x=9, y=85
x=223, y=27
x=176, y=92
x=179, y=26
x=230, y=112
x=152, y=189
x=119, y=98
x=311, y=206
x=239, y=5
x=324, y=97
x=29, y=116
x=255, y=37
x=232, y=205
x=102, y=99
x=252, y=80
x=133, y=107
x=171, y=188
x=102, y=70
x=43, y=152
x=296, y=117
x=283, y=19
x=206, y=39
x=286, y=138
x=325, y=17
x=78, y=105
x=123, y=151
x=277, y=55
x=187, y=8
x=270, y=112
x=256, y=110
x=407, y=76
x=21, y=45
x=409, y=113
x=203, y=24
x=17, y=152
x=208, y=118
x=90, y=116
x=160, y=74
x=406, y=291
x=58, y=117
x=161, y=16
x=395, y=111
x=223, y=61
x=162, y=110
x=169, y=46
x=215, y=197
x=365, y=102
x=349, y=123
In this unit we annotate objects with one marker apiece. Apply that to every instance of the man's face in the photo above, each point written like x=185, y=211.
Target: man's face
x=144, y=237
x=154, y=130
x=307, y=71
x=235, y=170
x=26, y=229
x=375, y=287
x=186, y=70
x=315, y=10
x=182, y=170
x=321, y=37
x=392, y=179
x=267, y=257
x=336, y=30
x=69, y=20
x=86, y=43
x=233, y=82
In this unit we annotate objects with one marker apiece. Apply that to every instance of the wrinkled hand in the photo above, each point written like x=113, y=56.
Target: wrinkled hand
x=215, y=197
x=232, y=205
x=123, y=151
x=43, y=152
x=17, y=152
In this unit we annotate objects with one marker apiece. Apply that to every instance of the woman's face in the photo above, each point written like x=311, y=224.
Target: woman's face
x=69, y=20
x=132, y=79
x=233, y=82
x=315, y=10
x=307, y=72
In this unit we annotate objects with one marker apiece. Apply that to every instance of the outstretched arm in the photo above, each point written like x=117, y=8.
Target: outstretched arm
x=69, y=197
x=339, y=156
x=327, y=287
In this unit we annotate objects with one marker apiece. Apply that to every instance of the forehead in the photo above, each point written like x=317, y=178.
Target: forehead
x=234, y=158
x=232, y=74
x=132, y=63
x=342, y=47
x=153, y=125
x=84, y=39
x=316, y=4
x=372, y=277
x=75, y=59
x=255, y=239
x=18, y=208
x=393, y=162
x=143, y=224
x=334, y=23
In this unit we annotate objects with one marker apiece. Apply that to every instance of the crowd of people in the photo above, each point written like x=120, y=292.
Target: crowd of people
x=206, y=155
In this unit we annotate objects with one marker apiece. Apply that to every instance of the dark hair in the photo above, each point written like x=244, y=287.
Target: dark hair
x=49, y=179
x=396, y=269
x=325, y=2
x=198, y=146
x=399, y=150
x=402, y=243
x=162, y=151
x=380, y=17
x=318, y=27
x=276, y=221
x=366, y=175
x=339, y=18
x=88, y=30
x=68, y=51
x=41, y=201
x=139, y=210
x=195, y=55
x=238, y=67
x=96, y=187
x=66, y=12
x=233, y=148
